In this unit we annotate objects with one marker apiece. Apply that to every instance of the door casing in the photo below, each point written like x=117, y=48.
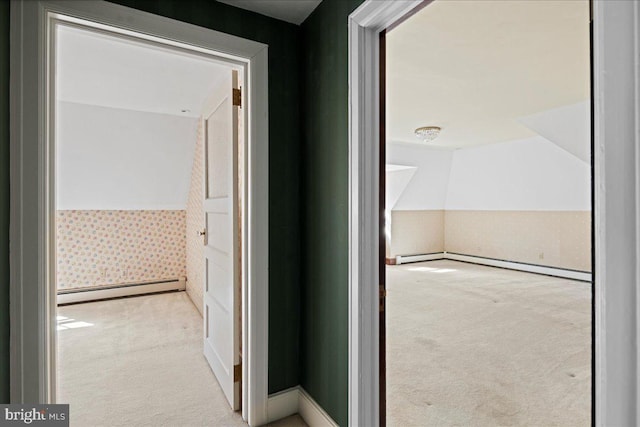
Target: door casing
x=616, y=166
x=32, y=171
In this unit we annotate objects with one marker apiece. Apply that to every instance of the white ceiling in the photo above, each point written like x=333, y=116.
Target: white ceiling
x=122, y=141
x=109, y=158
x=111, y=72
x=475, y=68
x=293, y=11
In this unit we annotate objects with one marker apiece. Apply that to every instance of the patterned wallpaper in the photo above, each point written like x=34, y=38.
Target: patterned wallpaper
x=195, y=223
x=416, y=232
x=559, y=239
x=111, y=247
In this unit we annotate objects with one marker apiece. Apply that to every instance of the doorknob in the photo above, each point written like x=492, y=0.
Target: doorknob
x=202, y=232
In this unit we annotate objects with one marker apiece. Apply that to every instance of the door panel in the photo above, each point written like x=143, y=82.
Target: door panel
x=222, y=251
x=219, y=151
x=217, y=226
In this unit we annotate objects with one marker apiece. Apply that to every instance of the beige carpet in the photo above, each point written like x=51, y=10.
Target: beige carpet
x=469, y=345
x=138, y=362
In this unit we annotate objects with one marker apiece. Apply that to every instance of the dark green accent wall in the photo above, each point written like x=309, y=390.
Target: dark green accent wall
x=4, y=202
x=284, y=177
x=324, y=331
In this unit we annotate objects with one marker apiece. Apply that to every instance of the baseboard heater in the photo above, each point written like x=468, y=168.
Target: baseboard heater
x=404, y=259
x=583, y=276
x=96, y=293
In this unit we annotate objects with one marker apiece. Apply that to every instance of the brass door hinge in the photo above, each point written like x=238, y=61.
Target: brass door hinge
x=383, y=296
x=237, y=373
x=237, y=97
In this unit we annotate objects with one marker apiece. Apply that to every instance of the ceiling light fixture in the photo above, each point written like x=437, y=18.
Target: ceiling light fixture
x=428, y=133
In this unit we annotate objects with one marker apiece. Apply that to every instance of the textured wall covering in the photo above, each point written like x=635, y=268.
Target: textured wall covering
x=551, y=238
x=560, y=239
x=416, y=232
x=195, y=223
x=110, y=247
x=325, y=335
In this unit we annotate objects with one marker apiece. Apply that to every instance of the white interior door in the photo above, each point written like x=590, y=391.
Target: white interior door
x=222, y=318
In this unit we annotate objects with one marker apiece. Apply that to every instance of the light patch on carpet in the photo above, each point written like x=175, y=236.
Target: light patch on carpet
x=139, y=364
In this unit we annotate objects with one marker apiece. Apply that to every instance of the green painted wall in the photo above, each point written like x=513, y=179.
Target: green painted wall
x=4, y=201
x=284, y=178
x=324, y=330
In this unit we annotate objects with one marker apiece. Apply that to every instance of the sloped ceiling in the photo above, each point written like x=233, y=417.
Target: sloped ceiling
x=126, y=121
x=293, y=11
x=568, y=127
x=115, y=159
x=96, y=69
x=475, y=67
x=397, y=178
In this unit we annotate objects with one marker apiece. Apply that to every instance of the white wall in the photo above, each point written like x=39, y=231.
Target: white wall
x=529, y=174
x=568, y=126
x=427, y=190
x=116, y=159
x=396, y=180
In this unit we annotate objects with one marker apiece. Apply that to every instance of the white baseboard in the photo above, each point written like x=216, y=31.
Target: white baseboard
x=403, y=259
x=297, y=401
x=312, y=413
x=96, y=293
x=530, y=268
x=283, y=404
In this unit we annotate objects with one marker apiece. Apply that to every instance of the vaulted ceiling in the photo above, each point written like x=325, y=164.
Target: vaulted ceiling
x=475, y=68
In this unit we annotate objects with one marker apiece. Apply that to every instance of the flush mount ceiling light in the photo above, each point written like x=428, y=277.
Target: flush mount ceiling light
x=428, y=133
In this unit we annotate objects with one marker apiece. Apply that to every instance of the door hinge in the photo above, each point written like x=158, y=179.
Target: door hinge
x=237, y=373
x=383, y=296
x=237, y=97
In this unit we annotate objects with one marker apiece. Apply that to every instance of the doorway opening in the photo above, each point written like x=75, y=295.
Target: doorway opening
x=136, y=183
x=486, y=215
x=149, y=178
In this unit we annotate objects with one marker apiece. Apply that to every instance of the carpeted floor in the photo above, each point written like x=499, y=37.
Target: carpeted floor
x=469, y=345
x=466, y=345
x=139, y=362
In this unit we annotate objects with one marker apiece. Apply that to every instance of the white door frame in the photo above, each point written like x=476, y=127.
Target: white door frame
x=32, y=238
x=616, y=74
